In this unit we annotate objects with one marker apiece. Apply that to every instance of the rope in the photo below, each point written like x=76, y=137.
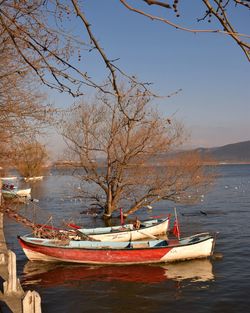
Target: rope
x=40, y=231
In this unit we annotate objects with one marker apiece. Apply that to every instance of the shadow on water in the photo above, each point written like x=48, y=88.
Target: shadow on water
x=48, y=275
x=139, y=288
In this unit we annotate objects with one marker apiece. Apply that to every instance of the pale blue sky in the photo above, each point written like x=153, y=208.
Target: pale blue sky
x=211, y=69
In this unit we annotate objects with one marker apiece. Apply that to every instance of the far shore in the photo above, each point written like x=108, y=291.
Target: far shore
x=214, y=163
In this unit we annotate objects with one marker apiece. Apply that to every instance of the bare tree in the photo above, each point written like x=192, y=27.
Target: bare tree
x=42, y=37
x=122, y=148
x=36, y=33
x=32, y=29
x=30, y=158
x=23, y=110
x=37, y=37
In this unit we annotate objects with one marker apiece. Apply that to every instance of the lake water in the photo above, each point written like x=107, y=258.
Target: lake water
x=220, y=285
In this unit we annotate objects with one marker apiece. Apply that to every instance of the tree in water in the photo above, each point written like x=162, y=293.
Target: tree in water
x=30, y=159
x=123, y=147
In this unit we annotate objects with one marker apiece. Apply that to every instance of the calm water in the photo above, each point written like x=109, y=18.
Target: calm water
x=195, y=286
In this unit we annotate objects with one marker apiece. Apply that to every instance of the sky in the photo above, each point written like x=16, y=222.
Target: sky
x=210, y=69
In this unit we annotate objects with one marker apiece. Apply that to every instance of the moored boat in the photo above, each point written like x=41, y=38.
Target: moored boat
x=4, y=179
x=23, y=192
x=11, y=190
x=120, y=253
x=33, y=179
x=127, y=232
x=16, y=193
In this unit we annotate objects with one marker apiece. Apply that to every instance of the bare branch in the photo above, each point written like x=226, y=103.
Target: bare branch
x=159, y=3
x=219, y=14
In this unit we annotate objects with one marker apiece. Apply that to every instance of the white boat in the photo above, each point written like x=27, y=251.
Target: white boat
x=23, y=192
x=127, y=232
x=8, y=178
x=10, y=191
x=35, y=178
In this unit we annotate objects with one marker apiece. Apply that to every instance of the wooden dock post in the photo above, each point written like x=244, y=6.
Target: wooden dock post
x=3, y=251
x=2, y=242
x=12, y=285
x=32, y=302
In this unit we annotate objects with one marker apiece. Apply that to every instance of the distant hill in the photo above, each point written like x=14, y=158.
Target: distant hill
x=236, y=152
x=231, y=153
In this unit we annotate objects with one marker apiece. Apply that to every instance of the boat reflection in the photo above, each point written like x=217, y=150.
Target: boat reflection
x=195, y=270
x=50, y=274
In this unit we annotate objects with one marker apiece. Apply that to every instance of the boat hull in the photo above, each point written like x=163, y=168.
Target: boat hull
x=35, y=178
x=137, y=253
x=127, y=233
x=8, y=194
x=23, y=192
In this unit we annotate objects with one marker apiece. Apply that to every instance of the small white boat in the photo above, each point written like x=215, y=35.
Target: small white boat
x=35, y=178
x=23, y=192
x=10, y=191
x=127, y=232
x=8, y=178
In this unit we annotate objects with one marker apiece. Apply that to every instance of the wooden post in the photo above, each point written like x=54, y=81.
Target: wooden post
x=12, y=285
x=1, y=184
x=32, y=302
x=3, y=247
x=2, y=258
x=1, y=219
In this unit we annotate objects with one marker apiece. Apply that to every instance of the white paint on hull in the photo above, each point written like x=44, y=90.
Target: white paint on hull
x=133, y=234
x=23, y=192
x=199, y=250
x=35, y=178
x=9, y=178
x=37, y=256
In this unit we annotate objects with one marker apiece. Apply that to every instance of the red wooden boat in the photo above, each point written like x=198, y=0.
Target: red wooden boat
x=134, y=252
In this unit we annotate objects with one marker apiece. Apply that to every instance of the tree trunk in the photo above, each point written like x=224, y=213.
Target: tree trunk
x=109, y=208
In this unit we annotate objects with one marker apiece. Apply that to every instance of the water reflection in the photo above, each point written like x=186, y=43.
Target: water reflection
x=49, y=274
x=195, y=270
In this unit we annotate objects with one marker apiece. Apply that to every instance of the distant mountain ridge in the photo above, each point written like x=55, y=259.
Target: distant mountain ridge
x=236, y=152
x=232, y=153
